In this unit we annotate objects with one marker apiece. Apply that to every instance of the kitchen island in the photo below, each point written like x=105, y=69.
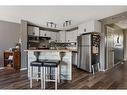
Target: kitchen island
x=66, y=64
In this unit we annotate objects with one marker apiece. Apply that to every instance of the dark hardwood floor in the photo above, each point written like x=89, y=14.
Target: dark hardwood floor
x=115, y=78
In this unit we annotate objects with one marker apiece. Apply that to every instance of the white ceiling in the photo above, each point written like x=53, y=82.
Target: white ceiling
x=58, y=14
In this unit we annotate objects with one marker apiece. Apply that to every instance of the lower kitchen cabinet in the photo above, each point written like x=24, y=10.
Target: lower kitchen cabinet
x=74, y=58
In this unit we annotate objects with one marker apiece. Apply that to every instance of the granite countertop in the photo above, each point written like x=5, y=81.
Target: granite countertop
x=59, y=50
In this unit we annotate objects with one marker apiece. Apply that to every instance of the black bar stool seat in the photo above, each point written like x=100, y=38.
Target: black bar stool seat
x=51, y=63
x=38, y=63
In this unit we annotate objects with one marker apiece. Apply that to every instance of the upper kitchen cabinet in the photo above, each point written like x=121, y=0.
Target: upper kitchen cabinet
x=44, y=33
x=33, y=31
x=62, y=36
x=57, y=36
x=36, y=35
x=89, y=26
x=71, y=36
x=54, y=36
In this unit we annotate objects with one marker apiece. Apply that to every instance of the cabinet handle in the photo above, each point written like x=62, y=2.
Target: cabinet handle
x=33, y=33
x=85, y=30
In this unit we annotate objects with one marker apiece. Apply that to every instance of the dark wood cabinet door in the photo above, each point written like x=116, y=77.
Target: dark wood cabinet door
x=17, y=60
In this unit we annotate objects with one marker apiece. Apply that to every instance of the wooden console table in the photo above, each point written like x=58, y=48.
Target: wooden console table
x=16, y=61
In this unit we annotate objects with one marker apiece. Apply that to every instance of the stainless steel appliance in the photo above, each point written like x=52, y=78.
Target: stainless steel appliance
x=114, y=47
x=88, y=51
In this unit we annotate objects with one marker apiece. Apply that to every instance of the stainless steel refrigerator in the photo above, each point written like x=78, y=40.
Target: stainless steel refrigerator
x=88, y=51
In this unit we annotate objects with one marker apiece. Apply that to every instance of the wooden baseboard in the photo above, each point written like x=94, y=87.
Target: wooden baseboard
x=20, y=69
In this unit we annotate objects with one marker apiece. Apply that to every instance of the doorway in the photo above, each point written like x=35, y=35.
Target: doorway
x=114, y=45
x=110, y=47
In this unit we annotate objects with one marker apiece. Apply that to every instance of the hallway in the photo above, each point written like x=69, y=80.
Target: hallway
x=115, y=78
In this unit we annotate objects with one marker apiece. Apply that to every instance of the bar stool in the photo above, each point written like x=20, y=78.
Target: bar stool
x=37, y=63
x=51, y=64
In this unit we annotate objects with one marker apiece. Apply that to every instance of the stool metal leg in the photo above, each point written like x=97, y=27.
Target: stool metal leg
x=50, y=74
x=37, y=73
x=42, y=80
x=93, y=69
x=31, y=75
x=56, y=75
x=46, y=73
x=98, y=66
